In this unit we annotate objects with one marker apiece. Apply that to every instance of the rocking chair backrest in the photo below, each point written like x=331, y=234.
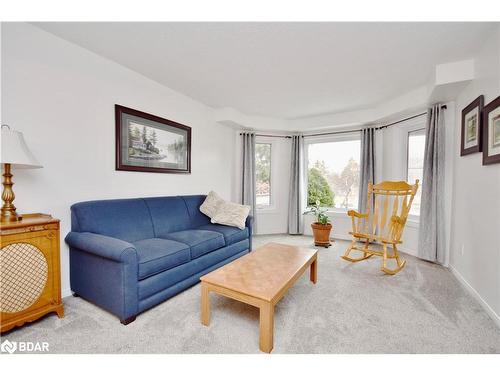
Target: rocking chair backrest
x=389, y=203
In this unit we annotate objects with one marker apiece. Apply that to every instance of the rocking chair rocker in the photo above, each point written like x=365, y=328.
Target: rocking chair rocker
x=384, y=224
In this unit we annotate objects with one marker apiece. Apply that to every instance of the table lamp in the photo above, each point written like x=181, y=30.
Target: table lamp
x=16, y=153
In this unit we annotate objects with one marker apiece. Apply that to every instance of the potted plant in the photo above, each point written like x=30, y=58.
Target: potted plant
x=321, y=227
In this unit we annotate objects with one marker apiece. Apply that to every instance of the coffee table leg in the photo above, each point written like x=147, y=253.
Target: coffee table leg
x=266, y=327
x=205, y=304
x=314, y=271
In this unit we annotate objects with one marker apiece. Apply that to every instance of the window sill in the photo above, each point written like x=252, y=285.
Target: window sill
x=337, y=213
x=266, y=210
x=413, y=222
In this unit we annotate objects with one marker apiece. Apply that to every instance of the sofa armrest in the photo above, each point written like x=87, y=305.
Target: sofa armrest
x=355, y=213
x=104, y=270
x=103, y=246
x=249, y=225
x=249, y=221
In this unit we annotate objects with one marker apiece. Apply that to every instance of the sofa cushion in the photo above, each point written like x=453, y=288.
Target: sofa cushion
x=169, y=214
x=158, y=254
x=200, y=241
x=160, y=282
x=126, y=219
x=193, y=203
x=232, y=214
x=211, y=204
x=231, y=234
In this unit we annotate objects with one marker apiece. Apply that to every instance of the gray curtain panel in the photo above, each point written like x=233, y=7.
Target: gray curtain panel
x=248, y=171
x=367, y=167
x=431, y=232
x=295, y=217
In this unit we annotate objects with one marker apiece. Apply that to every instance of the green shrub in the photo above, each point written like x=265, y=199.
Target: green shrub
x=318, y=189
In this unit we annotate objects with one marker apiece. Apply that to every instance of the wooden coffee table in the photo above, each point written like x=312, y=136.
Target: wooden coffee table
x=260, y=278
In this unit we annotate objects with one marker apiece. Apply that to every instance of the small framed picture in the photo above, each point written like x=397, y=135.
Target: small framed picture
x=472, y=127
x=491, y=132
x=148, y=143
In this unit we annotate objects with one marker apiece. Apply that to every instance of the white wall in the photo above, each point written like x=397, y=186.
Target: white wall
x=62, y=98
x=475, y=241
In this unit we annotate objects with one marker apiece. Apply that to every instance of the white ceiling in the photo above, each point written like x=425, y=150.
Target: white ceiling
x=281, y=70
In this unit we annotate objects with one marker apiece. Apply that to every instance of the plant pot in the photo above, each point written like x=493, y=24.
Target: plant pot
x=321, y=234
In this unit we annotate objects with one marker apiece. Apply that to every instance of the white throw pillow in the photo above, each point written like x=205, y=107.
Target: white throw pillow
x=231, y=214
x=210, y=205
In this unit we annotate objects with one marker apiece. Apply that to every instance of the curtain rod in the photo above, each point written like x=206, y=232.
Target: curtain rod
x=376, y=128
x=406, y=119
x=272, y=135
x=348, y=131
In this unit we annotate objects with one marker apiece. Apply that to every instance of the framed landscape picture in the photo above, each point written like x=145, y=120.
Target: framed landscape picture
x=491, y=132
x=148, y=143
x=472, y=122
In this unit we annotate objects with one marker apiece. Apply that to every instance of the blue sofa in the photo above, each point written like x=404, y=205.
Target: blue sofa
x=127, y=255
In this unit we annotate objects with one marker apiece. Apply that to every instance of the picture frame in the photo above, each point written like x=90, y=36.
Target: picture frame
x=149, y=143
x=491, y=132
x=472, y=124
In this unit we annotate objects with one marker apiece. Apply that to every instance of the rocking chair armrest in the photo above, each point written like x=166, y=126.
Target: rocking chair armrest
x=356, y=214
x=398, y=219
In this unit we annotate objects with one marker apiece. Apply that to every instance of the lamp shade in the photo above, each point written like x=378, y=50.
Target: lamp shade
x=15, y=151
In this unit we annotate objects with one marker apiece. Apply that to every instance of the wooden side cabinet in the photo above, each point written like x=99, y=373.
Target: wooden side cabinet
x=30, y=277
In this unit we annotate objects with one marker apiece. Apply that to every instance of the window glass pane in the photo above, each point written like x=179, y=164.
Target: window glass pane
x=416, y=148
x=333, y=173
x=263, y=174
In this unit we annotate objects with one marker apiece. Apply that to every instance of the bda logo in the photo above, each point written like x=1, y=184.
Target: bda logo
x=24, y=346
x=9, y=347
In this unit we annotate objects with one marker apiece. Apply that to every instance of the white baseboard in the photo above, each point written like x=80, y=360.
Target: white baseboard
x=341, y=237
x=412, y=252
x=489, y=310
x=65, y=293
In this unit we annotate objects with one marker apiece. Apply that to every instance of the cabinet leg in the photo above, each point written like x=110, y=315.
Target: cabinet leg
x=60, y=312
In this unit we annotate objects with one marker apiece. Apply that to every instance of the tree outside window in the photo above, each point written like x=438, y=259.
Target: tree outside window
x=333, y=175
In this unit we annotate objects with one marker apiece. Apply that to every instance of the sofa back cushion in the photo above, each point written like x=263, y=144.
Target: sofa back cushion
x=193, y=203
x=169, y=214
x=126, y=219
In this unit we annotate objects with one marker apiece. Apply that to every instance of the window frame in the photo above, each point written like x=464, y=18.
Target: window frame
x=354, y=136
x=271, y=143
x=409, y=130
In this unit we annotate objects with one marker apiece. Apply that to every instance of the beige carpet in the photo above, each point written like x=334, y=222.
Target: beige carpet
x=354, y=308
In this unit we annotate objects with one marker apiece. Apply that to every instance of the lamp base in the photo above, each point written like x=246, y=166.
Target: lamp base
x=10, y=217
x=8, y=212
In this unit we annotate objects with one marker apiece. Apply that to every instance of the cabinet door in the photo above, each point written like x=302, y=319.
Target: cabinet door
x=30, y=272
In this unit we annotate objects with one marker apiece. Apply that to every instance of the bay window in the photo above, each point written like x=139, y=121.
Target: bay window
x=333, y=172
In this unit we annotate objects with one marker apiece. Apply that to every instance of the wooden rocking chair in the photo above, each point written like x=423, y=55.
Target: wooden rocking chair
x=383, y=225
